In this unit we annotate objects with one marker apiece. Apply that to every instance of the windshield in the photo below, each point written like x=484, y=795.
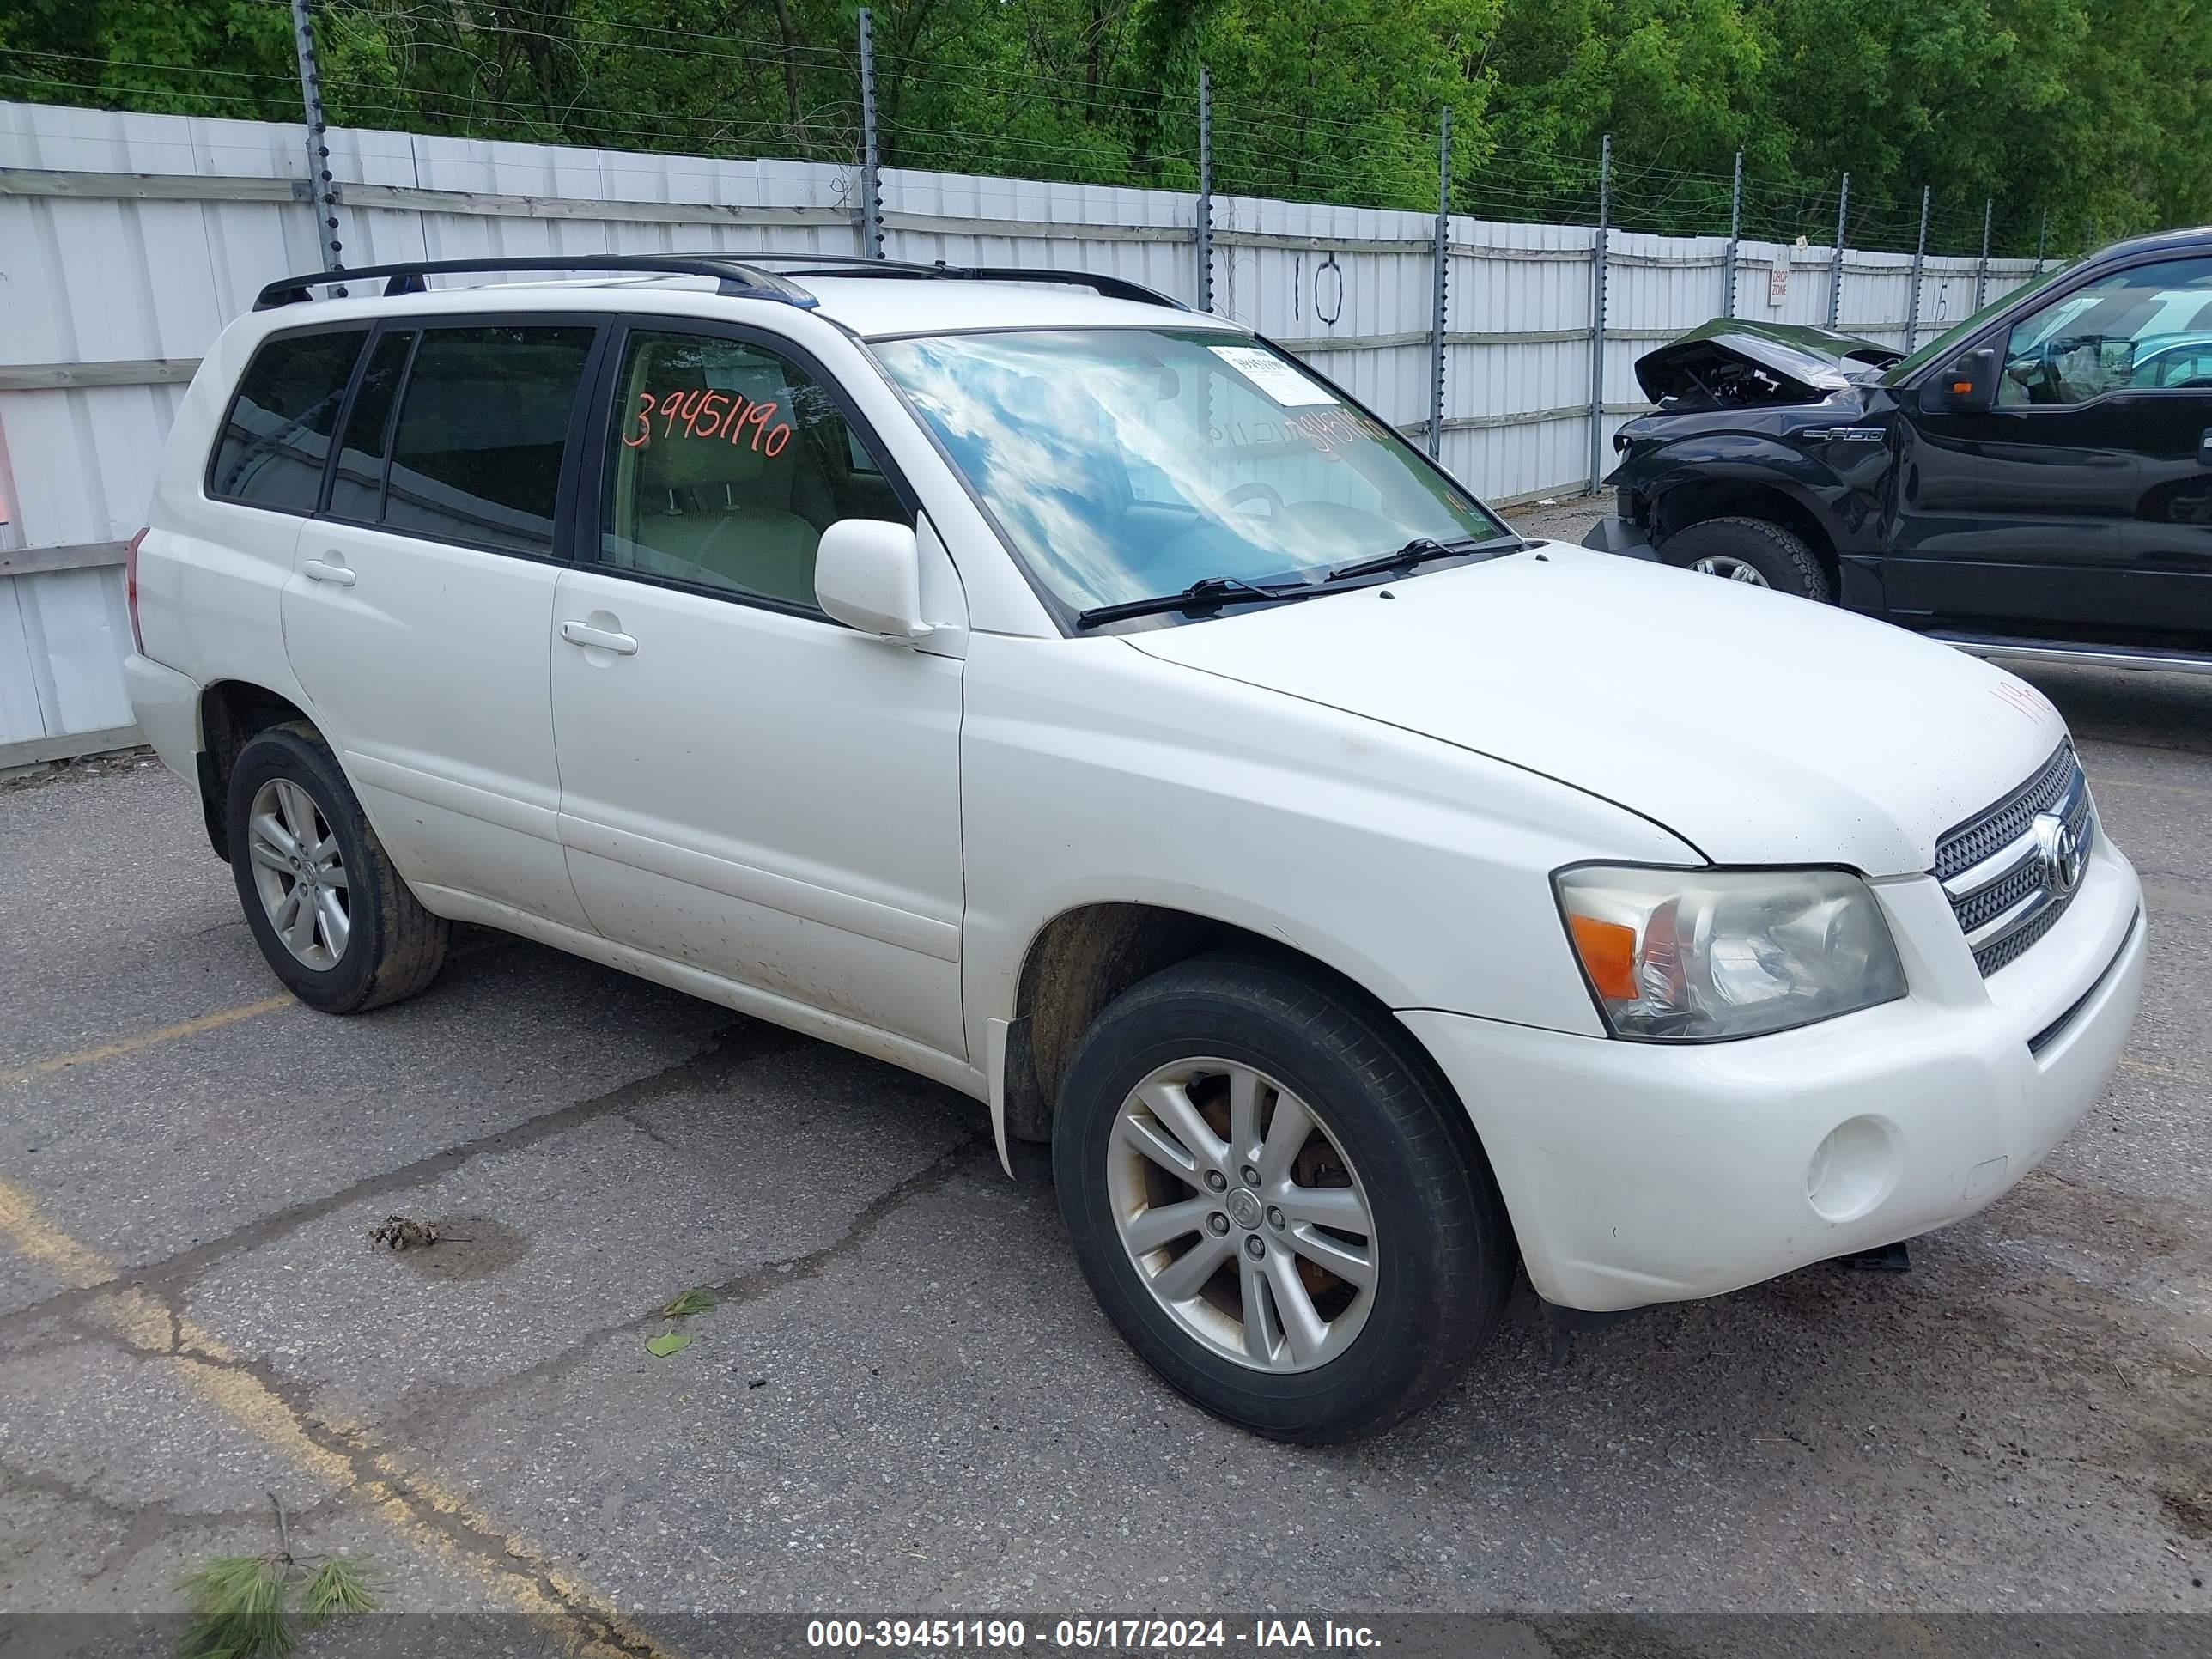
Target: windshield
x=1127, y=463
x=1958, y=331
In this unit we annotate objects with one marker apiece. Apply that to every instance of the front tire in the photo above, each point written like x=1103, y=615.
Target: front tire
x=333, y=919
x=1755, y=551
x=1277, y=1200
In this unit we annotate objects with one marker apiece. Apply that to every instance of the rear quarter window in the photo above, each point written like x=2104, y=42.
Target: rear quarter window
x=277, y=434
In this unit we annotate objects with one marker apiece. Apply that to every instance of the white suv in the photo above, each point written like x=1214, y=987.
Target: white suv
x=1021, y=679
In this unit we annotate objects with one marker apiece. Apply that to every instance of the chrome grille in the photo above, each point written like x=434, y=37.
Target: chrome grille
x=2005, y=870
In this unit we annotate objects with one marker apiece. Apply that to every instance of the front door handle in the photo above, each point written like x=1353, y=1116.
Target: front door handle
x=2205, y=447
x=332, y=569
x=602, y=639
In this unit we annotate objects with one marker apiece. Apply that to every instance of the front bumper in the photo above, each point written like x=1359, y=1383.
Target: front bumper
x=1615, y=534
x=1639, y=1172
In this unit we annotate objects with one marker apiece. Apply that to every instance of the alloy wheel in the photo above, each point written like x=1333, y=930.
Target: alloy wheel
x=1241, y=1215
x=299, y=873
x=1728, y=569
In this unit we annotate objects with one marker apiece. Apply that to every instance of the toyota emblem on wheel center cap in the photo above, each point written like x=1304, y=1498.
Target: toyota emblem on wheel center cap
x=2061, y=848
x=1244, y=1207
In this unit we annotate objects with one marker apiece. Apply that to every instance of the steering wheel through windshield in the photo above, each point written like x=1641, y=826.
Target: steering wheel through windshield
x=1256, y=491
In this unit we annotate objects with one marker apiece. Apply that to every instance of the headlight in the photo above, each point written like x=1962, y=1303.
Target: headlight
x=1706, y=954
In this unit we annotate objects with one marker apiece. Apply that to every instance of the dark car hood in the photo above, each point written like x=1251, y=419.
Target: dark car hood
x=1731, y=361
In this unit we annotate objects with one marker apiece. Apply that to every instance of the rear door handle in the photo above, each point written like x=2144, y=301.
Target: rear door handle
x=603, y=639
x=324, y=570
x=2204, y=446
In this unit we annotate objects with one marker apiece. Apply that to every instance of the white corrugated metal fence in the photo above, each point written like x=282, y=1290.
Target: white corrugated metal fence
x=127, y=241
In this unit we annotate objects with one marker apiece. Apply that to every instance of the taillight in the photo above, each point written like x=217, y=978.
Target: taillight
x=131, y=587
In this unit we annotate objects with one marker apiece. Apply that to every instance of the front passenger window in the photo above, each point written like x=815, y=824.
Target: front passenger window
x=726, y=464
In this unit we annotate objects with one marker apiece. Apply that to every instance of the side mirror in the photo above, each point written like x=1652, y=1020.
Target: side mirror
x=867, y=575
x=1966, y=385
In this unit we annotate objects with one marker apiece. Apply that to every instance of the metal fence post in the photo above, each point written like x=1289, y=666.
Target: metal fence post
x=1836, y=259
x=1204, y=189
x=1736, y=237
x=1982, y=270
x=2042, y=232
x=322, y=188
x=871, y=224
x=1442, y=282
x=1919, y=258
x=1598, y=249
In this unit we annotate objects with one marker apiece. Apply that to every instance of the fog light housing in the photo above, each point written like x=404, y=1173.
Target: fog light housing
x=1852, y=1170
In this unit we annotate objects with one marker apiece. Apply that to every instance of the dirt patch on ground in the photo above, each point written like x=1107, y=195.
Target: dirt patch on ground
x=468, y=1246
x=2192, y=1513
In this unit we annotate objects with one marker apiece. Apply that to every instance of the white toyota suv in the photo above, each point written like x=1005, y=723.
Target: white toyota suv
x=1021, y=679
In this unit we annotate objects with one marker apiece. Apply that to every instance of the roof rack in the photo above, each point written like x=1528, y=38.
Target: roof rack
x=852, y=264
x=738, y=276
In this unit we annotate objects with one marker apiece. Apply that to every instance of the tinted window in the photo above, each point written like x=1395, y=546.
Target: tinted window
x=279, y=431
x=726, y=465
x=476, y=456
x=358, y=485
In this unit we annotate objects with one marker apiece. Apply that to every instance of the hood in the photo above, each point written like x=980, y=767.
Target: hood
x=1729, y=362
x=1761, y=729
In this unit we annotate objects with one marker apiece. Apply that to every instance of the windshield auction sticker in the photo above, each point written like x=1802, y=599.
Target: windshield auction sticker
x=1276, y=379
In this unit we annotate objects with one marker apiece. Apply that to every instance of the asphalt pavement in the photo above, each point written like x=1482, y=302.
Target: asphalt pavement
x=904, y=1400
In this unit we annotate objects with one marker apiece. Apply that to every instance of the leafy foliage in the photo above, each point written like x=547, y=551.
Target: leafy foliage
x=238, y=1609
x=337, y=1587
x=2096, y=113
x=240, y=1603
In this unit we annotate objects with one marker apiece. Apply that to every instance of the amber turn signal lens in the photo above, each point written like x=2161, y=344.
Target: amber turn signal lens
x=1609, y=952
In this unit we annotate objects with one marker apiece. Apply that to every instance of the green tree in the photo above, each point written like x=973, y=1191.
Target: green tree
x=2096, y=113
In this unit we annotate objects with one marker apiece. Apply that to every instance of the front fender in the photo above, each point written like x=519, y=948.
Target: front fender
x=1837, y=482
x=1092, y=774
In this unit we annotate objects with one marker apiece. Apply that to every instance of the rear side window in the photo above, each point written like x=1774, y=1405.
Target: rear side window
x=278, y=433
x=357, y=484
x=475, y=452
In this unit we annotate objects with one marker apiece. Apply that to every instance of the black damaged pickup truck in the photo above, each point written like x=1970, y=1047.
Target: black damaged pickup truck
x=2036, y=482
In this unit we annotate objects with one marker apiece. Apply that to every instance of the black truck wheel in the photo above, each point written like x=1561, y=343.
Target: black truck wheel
x=1754, y=550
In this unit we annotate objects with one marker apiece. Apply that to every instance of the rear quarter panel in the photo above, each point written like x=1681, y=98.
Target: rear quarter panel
x=209, y=572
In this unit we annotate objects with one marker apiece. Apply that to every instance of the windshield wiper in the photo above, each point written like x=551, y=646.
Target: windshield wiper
x=1414, y=554
x=1207, y=593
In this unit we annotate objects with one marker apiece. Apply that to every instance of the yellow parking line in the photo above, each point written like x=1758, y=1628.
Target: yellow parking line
x=131, y=1045
x=335, y=1451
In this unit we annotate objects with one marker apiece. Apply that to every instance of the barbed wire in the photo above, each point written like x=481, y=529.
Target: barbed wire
x=480, y=75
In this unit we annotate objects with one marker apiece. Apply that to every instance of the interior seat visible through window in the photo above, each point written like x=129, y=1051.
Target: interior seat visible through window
x=727, y=464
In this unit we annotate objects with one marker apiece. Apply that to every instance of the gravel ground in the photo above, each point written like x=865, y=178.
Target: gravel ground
x=905, y=1401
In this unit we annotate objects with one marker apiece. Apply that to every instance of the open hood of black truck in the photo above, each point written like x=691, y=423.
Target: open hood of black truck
x=1730, y=362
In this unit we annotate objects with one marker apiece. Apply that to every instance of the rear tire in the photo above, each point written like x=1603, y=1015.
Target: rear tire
x=1756, y=551
x=1388, y=1185
x=333, y=919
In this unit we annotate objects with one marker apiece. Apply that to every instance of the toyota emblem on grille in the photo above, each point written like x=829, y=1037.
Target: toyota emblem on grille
x=2061, y=851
